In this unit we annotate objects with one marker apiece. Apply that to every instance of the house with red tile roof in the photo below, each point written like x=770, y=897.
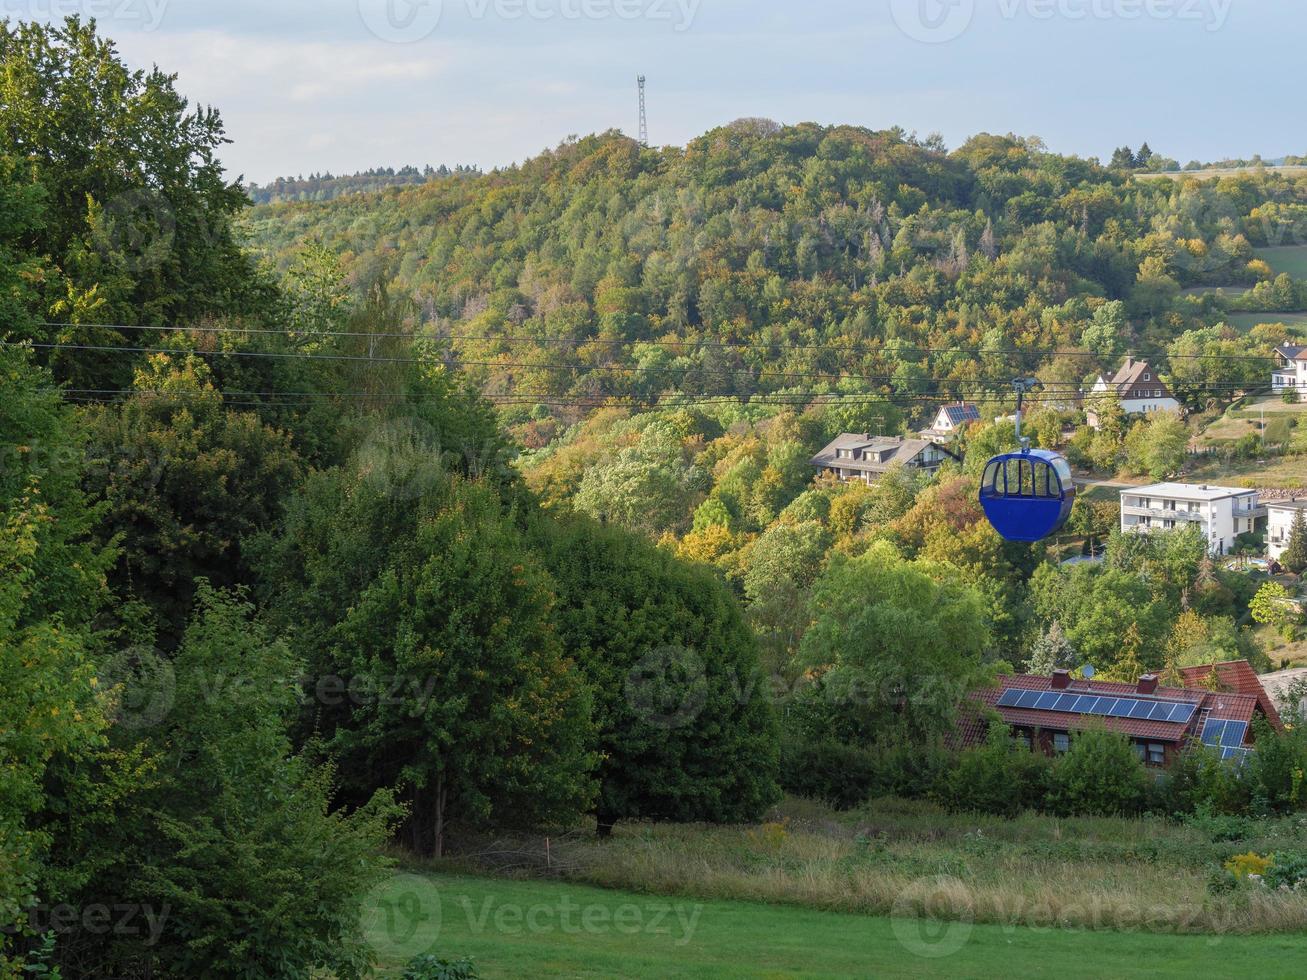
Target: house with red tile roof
x=1046, y=713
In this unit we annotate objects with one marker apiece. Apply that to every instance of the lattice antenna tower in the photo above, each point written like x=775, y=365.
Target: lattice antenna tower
x=644, y=121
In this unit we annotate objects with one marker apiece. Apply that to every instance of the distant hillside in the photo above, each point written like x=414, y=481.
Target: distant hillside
x=327, y=186
x=844, y=259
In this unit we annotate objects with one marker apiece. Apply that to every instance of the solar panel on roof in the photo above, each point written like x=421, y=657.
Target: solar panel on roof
x=1171, y=712
x=1234, y=734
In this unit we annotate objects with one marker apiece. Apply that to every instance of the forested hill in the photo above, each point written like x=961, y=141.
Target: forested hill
x=836, y=253
x=328, y=186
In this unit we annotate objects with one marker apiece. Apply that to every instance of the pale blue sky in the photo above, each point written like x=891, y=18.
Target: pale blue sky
x=310, y=85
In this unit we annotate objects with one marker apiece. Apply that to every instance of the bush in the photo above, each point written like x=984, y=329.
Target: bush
x=1288, y=871
x=1246, y=865
x=429, y=967
x=842, y=776
x=997, y=777
x=1200, y=781
x=1101, y=776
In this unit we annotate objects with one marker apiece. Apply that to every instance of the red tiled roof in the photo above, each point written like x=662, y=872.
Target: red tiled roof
x=1218, y=705
x=1235, y=676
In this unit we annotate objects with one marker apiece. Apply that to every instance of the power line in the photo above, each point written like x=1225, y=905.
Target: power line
x=622, y=342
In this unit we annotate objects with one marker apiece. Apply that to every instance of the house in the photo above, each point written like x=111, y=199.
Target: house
x=1223, y=513
x=950, y=420
x=1279, y=524
x=1292, y=372
x=864, y=457
x=1138, y=388
x=1046, y=713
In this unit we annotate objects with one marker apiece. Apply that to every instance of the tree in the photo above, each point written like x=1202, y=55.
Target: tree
x=434, y=661
x=227, y=829
x=686, y=730
x=1295, y=555
x=1052, y=651
x=139, y=212
x=51, y=593
x=1106, y=334
x=894, y=643
x=1273, y=606
x=1158, y=447
x=183, y=480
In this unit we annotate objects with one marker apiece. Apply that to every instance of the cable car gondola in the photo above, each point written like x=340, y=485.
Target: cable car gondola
x=1027, y=494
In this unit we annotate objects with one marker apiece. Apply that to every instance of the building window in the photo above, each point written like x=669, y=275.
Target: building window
x=1022, y=739
x=1156, y=754
x=1061, y=742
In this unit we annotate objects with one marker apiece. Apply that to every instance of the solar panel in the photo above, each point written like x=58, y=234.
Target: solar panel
x=1229, y=753
x=1171, y=712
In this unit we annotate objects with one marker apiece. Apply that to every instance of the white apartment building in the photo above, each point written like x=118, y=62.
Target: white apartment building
x=1279, y=522
x=1223, y=513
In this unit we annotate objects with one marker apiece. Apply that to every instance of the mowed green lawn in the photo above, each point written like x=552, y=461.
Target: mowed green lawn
x=545, y=929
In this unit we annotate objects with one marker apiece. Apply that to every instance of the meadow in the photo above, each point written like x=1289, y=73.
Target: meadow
x=894, y=856
x=549, y=929
x=1285, y=259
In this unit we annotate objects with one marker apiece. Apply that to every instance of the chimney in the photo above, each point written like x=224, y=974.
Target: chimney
x=1148, y=684
x=1061, y=680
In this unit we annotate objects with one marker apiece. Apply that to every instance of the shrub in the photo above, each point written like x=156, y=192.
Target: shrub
x=1287, y=871
x=842, y=776
x=1101, y=776
x=997, y=778
x=1246, y=865
x=1200, y=780
x=429, y=967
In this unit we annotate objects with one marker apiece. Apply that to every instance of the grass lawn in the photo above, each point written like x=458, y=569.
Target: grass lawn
x=1285, y=473
x=547, y=929
x=1296, y=322
x=1290, y=259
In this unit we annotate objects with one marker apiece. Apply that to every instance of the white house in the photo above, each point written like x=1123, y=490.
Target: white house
x=1138, y=388
x=950, y=420
x=1292, y=373
x=1223, y=513
x=864, y=457
x=1279, y=522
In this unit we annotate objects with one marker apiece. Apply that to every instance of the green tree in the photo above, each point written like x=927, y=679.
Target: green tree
x=1052, y=651
x=686, y=730
x=51, y=594
x=1295, y=554
x=434, y=661
x=139, y=212
x=183, y=479
x=228, y=833
x=1273, y=606
x=896, y=643
x=1158, y=447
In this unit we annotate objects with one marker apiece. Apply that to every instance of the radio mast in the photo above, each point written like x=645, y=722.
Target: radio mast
x=644, y=122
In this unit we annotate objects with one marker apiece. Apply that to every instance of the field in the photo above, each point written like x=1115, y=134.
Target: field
x=547, y=929
x=896, y=857
x=1290, y=259
x=1296, y=322
x=1216, y=173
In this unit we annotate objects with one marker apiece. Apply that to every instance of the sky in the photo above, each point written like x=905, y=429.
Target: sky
x=343, y=85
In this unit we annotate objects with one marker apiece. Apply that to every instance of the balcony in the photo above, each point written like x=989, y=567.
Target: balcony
x=1162, y=512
